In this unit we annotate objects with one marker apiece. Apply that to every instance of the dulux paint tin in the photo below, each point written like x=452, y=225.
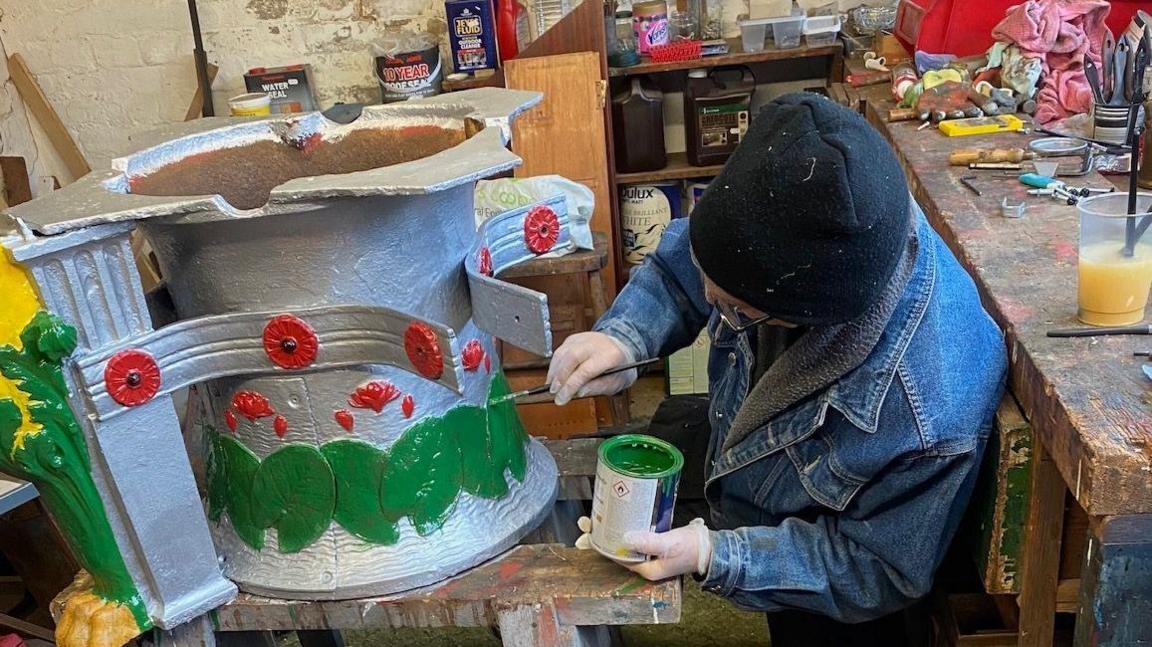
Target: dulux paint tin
x=645, y=211
x=636, y=481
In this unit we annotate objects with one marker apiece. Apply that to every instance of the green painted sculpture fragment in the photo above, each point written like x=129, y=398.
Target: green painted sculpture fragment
x=49, y=449
x=300, y=490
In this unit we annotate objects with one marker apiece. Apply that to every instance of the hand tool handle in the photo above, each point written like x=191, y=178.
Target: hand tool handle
x=545, y=387
x=1093, y=75
x=1037, y=180
x=966, y=156
x=1142, y=329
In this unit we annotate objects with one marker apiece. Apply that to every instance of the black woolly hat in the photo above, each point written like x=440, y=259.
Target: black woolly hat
x=808, y=218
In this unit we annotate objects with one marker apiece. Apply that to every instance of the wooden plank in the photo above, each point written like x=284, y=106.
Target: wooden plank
x=196, y=108
x=1001, y=502
x=678, y=168
x=495, y=80
x=563, y=134
x=536, y=626
x=1042, y=553
x=46, y=115
x=1116, y=589
x=1068, y=596
x=1086, y=398
x=576, y=456
x=583, y=587
x=736, y=56
x=26, y=628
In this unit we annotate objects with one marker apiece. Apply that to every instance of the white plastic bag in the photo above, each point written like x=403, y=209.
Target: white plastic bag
x=497, y=196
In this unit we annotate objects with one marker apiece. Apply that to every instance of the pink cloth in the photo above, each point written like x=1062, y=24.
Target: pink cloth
x=12, y=640
x=1060, y=33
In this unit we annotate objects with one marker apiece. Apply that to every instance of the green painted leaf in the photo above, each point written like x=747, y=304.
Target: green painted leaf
x=482, y=470
x=294, y=492
x=240, y=466
x=359, y=469
x=424, y=476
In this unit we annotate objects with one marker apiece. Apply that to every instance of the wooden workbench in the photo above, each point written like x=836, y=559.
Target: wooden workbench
x=1086, y=399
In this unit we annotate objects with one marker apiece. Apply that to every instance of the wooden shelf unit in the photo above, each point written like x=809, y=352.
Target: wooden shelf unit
x=735, y=56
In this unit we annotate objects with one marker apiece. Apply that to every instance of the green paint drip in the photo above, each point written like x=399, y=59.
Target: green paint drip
x=56, y=458
x=368, y=490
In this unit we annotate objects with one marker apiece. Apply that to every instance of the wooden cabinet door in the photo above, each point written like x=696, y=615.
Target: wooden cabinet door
x=565, y=134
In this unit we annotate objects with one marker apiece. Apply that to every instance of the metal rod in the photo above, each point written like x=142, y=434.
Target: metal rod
x=201, y=58
x=1143, y=329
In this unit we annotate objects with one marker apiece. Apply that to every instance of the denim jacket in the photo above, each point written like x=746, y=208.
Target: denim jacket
x=844, y=503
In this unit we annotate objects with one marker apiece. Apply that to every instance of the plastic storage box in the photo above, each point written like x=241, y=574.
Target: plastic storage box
x=821, y=31
x=785, y=31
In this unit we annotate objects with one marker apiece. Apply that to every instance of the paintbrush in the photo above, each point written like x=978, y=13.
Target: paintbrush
x=543, y=388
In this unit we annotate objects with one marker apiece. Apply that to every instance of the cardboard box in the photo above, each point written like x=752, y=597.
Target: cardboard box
x=290, y=87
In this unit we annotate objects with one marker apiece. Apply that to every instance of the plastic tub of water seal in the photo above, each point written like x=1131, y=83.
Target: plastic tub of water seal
x=254, y=104
x=821, y=31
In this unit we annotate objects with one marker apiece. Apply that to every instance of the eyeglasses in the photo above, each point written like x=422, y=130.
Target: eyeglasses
x=738, y=321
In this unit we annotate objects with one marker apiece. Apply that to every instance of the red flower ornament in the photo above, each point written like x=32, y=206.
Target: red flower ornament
x=487, y=363
x=485, y=261
x=541, y=230
x=472, y=355
x=252, y=405
x=290, y=342
x=132, y=377
x=408, y=405
x=423, y=350
x=230, y=419
x=344, y=419
x=280, y=426
x=374, y=395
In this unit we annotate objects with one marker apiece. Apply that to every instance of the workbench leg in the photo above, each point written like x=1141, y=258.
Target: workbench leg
x=196, y=633
x=537, y=626
x=320, y=638
x=1040, y=571
x=618, y=403
x=1116, y=584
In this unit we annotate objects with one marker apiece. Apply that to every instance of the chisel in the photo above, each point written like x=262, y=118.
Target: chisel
x=1142, y=329
x=543, y=388
x=966, y=156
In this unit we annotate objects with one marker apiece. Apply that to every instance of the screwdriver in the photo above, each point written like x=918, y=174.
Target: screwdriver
x=966, y=156
x=545, y=387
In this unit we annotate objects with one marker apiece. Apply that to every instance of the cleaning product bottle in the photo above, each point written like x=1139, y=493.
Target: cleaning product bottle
x=506, y=11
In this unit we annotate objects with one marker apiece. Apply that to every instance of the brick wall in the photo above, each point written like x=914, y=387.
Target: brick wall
x=115, y=67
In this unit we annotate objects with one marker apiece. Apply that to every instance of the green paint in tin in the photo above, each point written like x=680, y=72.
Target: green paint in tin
x=636, y=481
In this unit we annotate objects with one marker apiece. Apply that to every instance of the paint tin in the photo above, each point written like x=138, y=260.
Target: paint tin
x=695, y=192
x=650, y=24
x=645, y=211
x=409, y=67
x=636, y=481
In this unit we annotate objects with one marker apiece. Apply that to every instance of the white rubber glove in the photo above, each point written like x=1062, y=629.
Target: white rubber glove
x=687, y=549
x=682, y=550
x=580, y=359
